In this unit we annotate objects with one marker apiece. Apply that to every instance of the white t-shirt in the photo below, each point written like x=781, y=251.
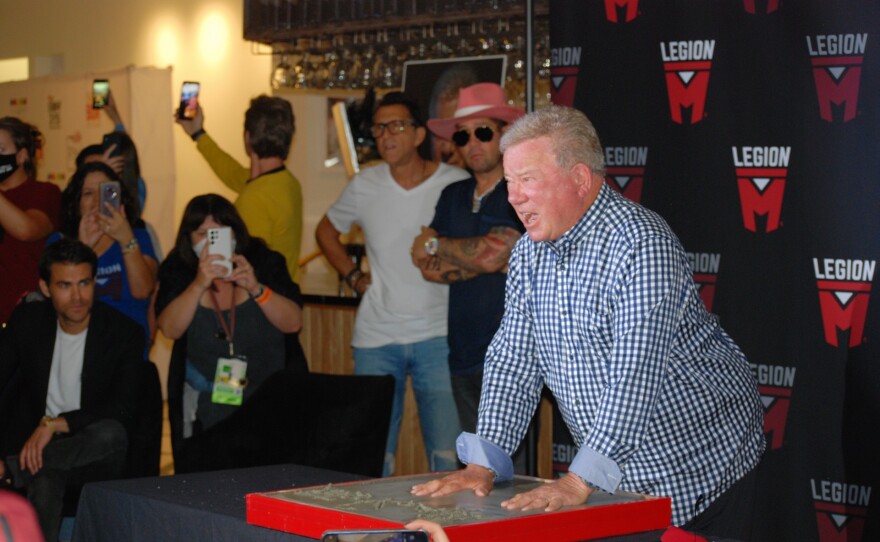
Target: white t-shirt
x=399, y=307
x=65, y=376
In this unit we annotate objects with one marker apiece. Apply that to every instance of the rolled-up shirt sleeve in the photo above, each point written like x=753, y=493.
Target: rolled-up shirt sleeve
x=473, y=449
x=596, y=469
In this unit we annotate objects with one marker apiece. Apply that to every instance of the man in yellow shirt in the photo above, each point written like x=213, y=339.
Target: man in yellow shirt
x=269, y=196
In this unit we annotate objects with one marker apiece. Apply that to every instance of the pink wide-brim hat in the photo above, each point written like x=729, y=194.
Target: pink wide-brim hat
x=480, y=100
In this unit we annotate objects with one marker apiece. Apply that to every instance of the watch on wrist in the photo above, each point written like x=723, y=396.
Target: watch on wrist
x=131, y=245
x=431, y=246
x=46, y=421
x=353, y=276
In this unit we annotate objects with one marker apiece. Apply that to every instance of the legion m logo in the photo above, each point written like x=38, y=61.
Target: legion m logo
x=837, y=71
x=841, y=510
x=564, y=66
x=687, y=65
x=844, y=289
x=630, y=9
x=760, y=176
x=775, y=385
x=751, y=6
x=705, y=266
x=625, y=170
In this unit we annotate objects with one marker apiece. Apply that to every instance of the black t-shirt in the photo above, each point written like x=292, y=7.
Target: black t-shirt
x=475, y=305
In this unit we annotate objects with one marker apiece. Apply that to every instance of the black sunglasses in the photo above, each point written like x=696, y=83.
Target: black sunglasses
x=483, y=133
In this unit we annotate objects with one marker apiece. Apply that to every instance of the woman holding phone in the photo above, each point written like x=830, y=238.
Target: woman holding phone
x=232, y=330
x=126, y=261
x=29, y=211
x=97, y=209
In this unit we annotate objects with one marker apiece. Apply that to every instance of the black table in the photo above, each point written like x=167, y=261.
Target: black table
x=207, y=506
x=191, y=507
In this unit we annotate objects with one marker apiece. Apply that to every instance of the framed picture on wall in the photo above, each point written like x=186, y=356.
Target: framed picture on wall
x=434, y=85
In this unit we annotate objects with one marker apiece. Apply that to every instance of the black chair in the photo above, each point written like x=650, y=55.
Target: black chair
x=144, y=438
x=336, y=422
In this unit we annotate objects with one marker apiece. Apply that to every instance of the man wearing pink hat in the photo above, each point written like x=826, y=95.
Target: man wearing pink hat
x=469, y=241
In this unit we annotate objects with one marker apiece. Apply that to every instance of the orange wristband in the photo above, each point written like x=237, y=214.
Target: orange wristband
x=264, y=297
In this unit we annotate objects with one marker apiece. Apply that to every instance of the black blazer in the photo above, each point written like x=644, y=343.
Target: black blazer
x=114, y=349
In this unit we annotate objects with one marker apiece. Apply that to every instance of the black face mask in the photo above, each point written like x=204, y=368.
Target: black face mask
x=8, y=166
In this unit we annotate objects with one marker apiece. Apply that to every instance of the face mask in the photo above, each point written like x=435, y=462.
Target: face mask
x=8, y=166
x=198, y=247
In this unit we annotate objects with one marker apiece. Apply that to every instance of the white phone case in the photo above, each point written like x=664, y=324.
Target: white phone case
x=220, y=242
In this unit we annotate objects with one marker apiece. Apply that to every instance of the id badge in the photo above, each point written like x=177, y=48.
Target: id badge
x=230, y=381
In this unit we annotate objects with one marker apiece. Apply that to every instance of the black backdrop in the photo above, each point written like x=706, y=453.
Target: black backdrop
x=751, y=126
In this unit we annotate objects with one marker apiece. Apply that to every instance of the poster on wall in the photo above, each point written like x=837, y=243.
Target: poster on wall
x=751, y=127
x=433, y=85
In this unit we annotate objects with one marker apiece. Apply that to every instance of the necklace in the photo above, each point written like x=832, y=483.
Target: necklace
x=478, y=200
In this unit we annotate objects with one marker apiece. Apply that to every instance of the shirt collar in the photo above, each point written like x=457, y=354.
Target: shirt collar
x=574, y=236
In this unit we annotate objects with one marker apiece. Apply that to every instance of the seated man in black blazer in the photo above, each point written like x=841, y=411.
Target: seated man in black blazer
x=68, y=370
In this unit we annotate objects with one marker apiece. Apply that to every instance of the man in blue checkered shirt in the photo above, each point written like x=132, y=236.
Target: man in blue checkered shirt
x=601, y=307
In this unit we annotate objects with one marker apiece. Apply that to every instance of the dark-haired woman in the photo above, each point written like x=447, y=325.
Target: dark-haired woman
x=249, y=316
x=126, y=261
x=29, y=212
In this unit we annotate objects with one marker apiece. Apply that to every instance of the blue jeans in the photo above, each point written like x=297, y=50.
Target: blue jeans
x=427, y=364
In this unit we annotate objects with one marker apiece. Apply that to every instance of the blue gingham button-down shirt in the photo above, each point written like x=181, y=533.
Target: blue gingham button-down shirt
x=657, y=397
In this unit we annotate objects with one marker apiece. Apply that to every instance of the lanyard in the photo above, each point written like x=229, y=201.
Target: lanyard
x=230, y=329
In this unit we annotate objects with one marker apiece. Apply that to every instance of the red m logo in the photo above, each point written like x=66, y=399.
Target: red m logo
x=706, y=284
x=760, y=193
x=839, y=523
x=837, y=82
x=750, y=7
x=626, y=180
x=563, y=83
x=611, y=7
x=844, y=306
x=687, y=83
x=776, y=402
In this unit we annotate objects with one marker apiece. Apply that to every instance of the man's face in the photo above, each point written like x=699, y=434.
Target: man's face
x=547, y=199
x=394, y=147
x=480, y=157
x=71, y=288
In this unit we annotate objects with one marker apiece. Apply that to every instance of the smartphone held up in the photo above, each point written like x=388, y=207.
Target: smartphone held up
x=100, y=93
x=111, y=194
x=189, y=100
x=220, y=242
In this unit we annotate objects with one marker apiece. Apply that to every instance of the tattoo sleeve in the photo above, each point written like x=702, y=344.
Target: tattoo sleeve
x=485, y=254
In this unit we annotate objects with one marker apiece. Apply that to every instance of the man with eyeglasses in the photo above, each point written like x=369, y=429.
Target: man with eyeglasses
x=469, y=241
x=400, y=327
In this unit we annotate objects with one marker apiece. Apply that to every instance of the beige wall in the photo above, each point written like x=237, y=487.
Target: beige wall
x=200, y=39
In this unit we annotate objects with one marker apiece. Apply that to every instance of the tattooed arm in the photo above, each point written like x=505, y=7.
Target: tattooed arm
x=466, y=257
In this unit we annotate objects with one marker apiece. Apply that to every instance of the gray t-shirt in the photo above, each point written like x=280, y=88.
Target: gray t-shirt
x=255, y=339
